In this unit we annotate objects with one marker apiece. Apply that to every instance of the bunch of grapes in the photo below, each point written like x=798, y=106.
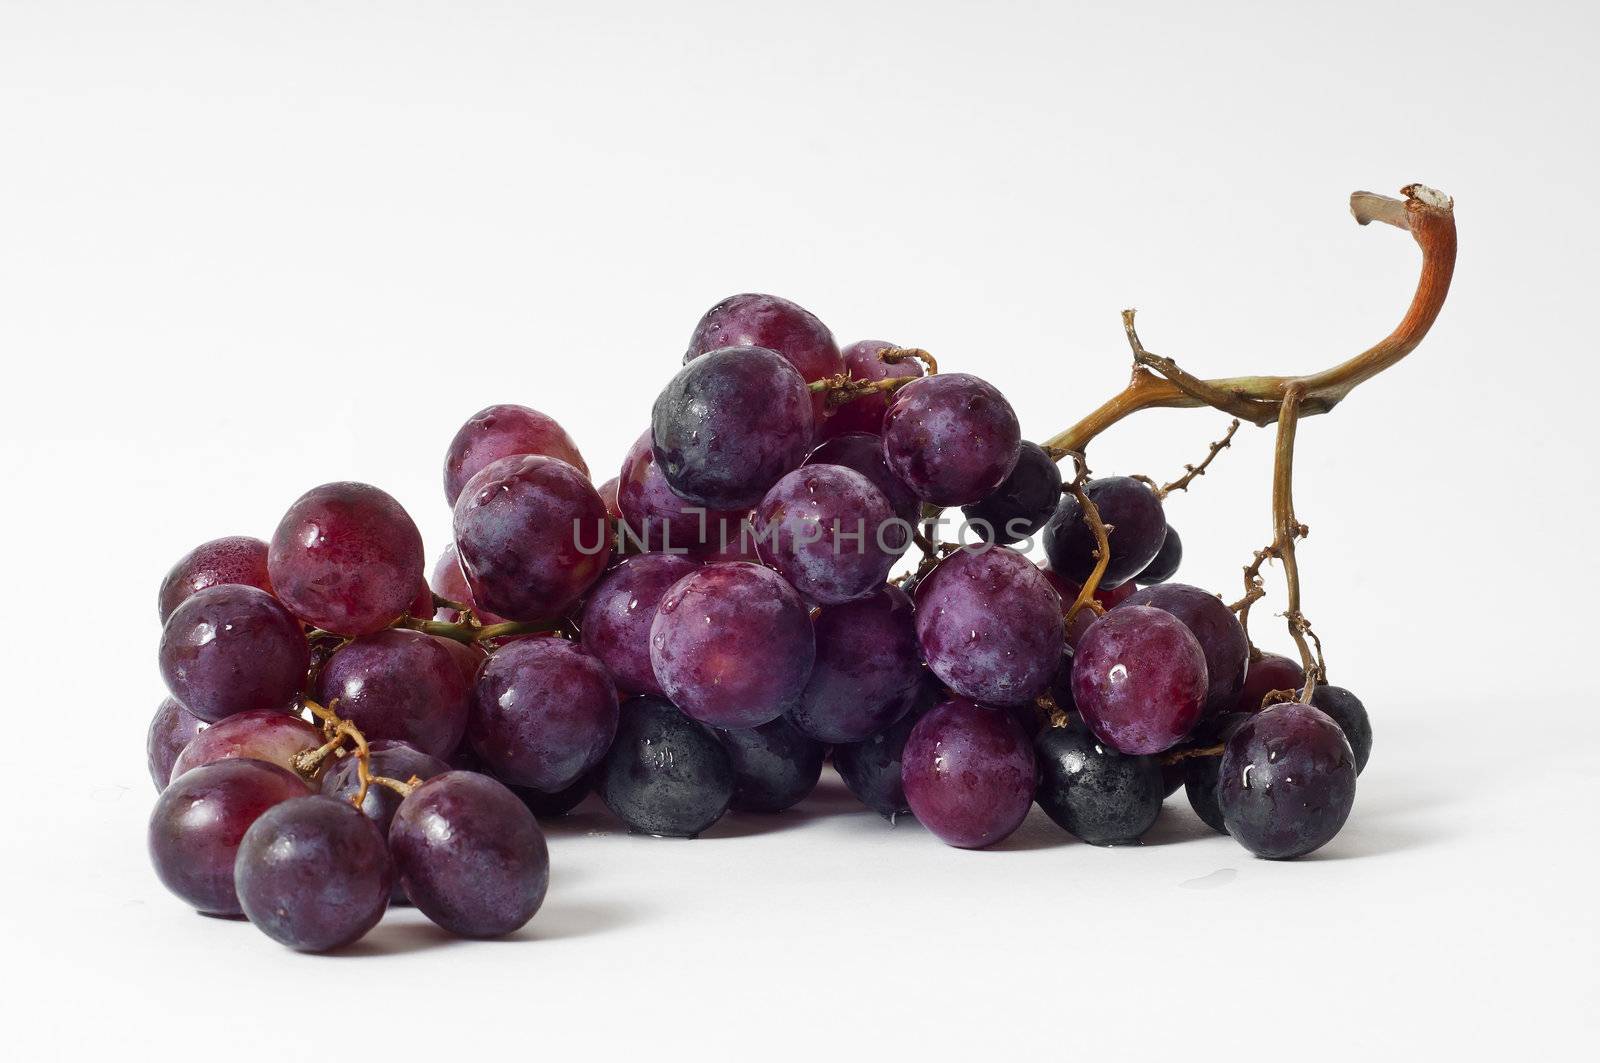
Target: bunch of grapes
x=703, y=632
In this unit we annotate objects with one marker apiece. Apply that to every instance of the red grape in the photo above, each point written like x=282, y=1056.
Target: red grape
x=968, y=772
x=865, y=414
x=450, y=582
x=867, y=672
x=543, y=713
x=172, y=728
x=826, y=529
x=864, y=454
x=608, y=495
x=232, y=648
x=952, y=438
x=400, y=685
x=501, y=432
x=753, y=320
x=1269, y=672
x=1218, y=631
x=1139, y=679
x=235, y=559
x=618, y=613
x=272, y=736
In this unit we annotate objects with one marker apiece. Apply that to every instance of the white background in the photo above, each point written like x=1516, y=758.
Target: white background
x=246, y=249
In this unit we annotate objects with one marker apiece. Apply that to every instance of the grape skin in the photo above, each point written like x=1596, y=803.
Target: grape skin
x=543, y=713
x=619, y=611
x=826, y=530
x=1139, y=679
x=1201, y=774
x=233, y=559
x=1265, y=674
x=172, y=728
x=390, y=759
x=865, y=414
x=400, y=685
x=871, y=768
x=657, y=517
x=1346, y=710
x=1288, y=781
x=1166, y=562
x=755, y=320
x=1134, y=513
x=665, y=774
x=1023, y=502
x=864, y=454
x=867, y=670
x=1221, y=637
x=549, y=806
x=968, y=772
x=271, y=735
x=451, y=583
x=233, y=648
x=504, y=431
x=775, y=766
x=1092, y=791
x=952, y=438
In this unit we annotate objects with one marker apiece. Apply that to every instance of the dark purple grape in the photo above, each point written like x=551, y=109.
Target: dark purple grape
x=1139, y=679
x=731, y=645
x=172, y=728
x=549, y=806
x=864, y=454
x=1288, y=779
x=313, y=874
x=532, y=535
x=470, y=855
x=1022, y=503
x=346, y=558
x=618, y=613
x=401, y=685
x=450, y=582
x=1166, y=562
x=270, y=735
x=504, y=431
x=1171, y=778
x=1200, y=774
x=830, y=533
x=1130, y=508
x=952, y=438
x=232, y=648
x=1061, y=684
x=1094, y=792
x=1265, y=674
x=657, y=519
x=234, y=559
x=752, y=320
x=729, y=425
x=665, y=774
x=1346, y=710
x=867, y=670
x=197, y=823
x=989, y=624
x=865, y=414
x=871, y=768
x=775, y=766
x=543, y=713
x=968, y=772
x=1218, y=631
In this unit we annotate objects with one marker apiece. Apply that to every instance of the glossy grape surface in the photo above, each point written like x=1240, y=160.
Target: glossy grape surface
x=346, y=558
x=619, y=611
x=172, y=728
x=1139, y=527
x=864, y=454
x=313, y=874
x=500, y=432
x=400, y=685
x=544, y=711
x=232, y=648
x=1346, y=710
x=968, y=772
x=1288, y=780
x=470, y=855
x=827, y=530
x=234, y=559
x=729, y=425
x=1139, y=679
x=198, y=821
x=1218, y=631
x=865, y=414
x=665, y=774
x=952, y=438
x=990, y=626
x=1023, y=502
x=657, y=519
x=1165, y=564
x=270, y=735
x=732, y=645
x=1269, y=672
x=755, y=320
x=531, y=534
x=1200, y=774
x=775, y=766
x=867, y=670
x=1094, y=792
x=450, y=582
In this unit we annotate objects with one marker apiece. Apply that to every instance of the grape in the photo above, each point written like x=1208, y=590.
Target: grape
x=1166, y=562
x=968, y=772
x=608, y=494
x=400, y=685
x=543, y=713
x=989, y=624
x=468, y=657
x=827, y=530
x=232, y=648
x=657, y=519
x=390, y=759
x=1125, y=504
x=1218, y=631
x=1094, y=792
x=871, y=768
x=421, y=607
x=1139, y=679
x=617, y=616
x=346, y=558
x=450, y=582
x=1269, y=672
x=269, y=735
x=1346, y=710
x=864, y=454
x=952, y=438
x=731, y=645
x=1108, y=598
x=1061, y=683
x=665, y=774
x=198, y=820
x=470, y=855
x=752, y=320
x=867, y=670
x=1200, y=774
x=313, y=874
x=865, y=414
x=531, y=535
x=235, y=559
x=1022, y=503
x=549, y=806
x=504, y=431
x=729, y=425
x=775, y=766
x=1288, y=779
x=172, y=728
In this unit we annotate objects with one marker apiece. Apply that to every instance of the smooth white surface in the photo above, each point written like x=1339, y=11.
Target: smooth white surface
x=245, y=249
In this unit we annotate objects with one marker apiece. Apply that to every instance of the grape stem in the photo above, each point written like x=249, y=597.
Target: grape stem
x=1193, y=472
x=338, y=730
x=469, y=630
x=1286, y=530
x=1177, y=756
x=900, y=354
x=1102, y=540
